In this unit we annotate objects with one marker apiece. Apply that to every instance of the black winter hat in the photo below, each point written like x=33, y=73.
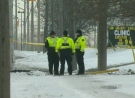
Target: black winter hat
x=65, y=33
x=79, y=32
x=52, y=33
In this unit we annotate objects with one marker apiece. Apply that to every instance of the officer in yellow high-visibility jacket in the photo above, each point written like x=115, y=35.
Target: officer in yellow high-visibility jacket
x=53, y=57
x=66, y=49
x=80, y=45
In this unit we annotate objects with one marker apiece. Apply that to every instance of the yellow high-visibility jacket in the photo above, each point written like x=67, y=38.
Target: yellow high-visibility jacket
x=80, y=43
x=51, y=42
x=65, y=43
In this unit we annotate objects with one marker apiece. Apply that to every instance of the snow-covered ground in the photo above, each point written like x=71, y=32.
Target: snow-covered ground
x=119, y=84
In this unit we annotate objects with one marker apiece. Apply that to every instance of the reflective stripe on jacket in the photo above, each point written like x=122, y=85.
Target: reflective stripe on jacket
x=65, y=43
x=52, y=41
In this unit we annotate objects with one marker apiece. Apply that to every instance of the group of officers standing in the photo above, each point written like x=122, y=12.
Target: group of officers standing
x=62, y=49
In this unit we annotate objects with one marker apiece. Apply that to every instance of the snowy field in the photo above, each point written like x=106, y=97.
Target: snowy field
x=119, y=84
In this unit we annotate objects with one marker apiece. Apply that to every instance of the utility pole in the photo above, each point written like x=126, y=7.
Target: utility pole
x=38, y=25
x=4, y=50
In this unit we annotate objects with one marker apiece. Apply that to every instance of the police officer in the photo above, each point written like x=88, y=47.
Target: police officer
x=66, y=49
x=80, y=45
x=53, y=57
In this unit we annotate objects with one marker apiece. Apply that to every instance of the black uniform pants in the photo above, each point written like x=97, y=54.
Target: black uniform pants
x=66, y=55
x=53, y=59
x=80, y=61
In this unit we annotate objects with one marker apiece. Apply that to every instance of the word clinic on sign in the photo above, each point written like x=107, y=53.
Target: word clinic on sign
x=121, y=35
x=122, y=32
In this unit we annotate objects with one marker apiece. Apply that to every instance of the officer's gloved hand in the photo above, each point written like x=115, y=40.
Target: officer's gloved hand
x=82, y=50
x=56, y=53
x=73, y=53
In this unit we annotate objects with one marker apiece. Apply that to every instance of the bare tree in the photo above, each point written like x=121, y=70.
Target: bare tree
x=102, y=35
x=4, y=50
x=28, y=32
x=46, y=24
x=32, y=24
x=38, y=23
x=60, y=17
